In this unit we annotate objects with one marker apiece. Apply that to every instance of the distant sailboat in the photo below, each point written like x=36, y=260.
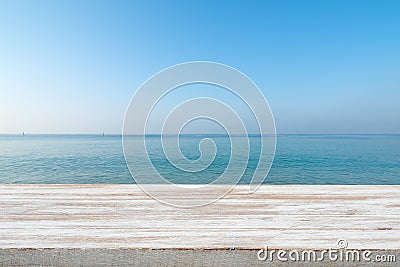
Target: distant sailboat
x=23, y=133
x=103, y=133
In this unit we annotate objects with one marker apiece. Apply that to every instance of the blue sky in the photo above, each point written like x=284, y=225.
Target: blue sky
x=324, y=66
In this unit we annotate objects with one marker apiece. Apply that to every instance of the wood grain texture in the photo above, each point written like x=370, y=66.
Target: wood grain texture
x=122, y=216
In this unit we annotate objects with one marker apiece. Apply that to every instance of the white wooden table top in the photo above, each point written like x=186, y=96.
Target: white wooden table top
x=122, y=216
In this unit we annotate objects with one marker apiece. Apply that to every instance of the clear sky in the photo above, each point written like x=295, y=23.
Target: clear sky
x=324, y=66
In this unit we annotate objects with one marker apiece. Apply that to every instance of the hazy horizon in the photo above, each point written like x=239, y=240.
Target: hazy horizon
x=169, y=134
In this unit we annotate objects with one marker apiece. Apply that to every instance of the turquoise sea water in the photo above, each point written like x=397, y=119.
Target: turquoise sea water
x=299, y=159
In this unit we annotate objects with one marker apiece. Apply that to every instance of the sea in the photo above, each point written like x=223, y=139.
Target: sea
x=299, y=159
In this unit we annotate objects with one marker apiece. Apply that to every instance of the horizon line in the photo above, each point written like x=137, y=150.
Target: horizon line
x=154, y=134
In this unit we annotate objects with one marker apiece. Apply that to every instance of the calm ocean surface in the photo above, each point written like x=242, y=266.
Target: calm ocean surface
x=299, y=159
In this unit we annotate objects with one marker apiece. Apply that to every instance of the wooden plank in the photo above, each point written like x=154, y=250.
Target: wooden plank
x=123, y=217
